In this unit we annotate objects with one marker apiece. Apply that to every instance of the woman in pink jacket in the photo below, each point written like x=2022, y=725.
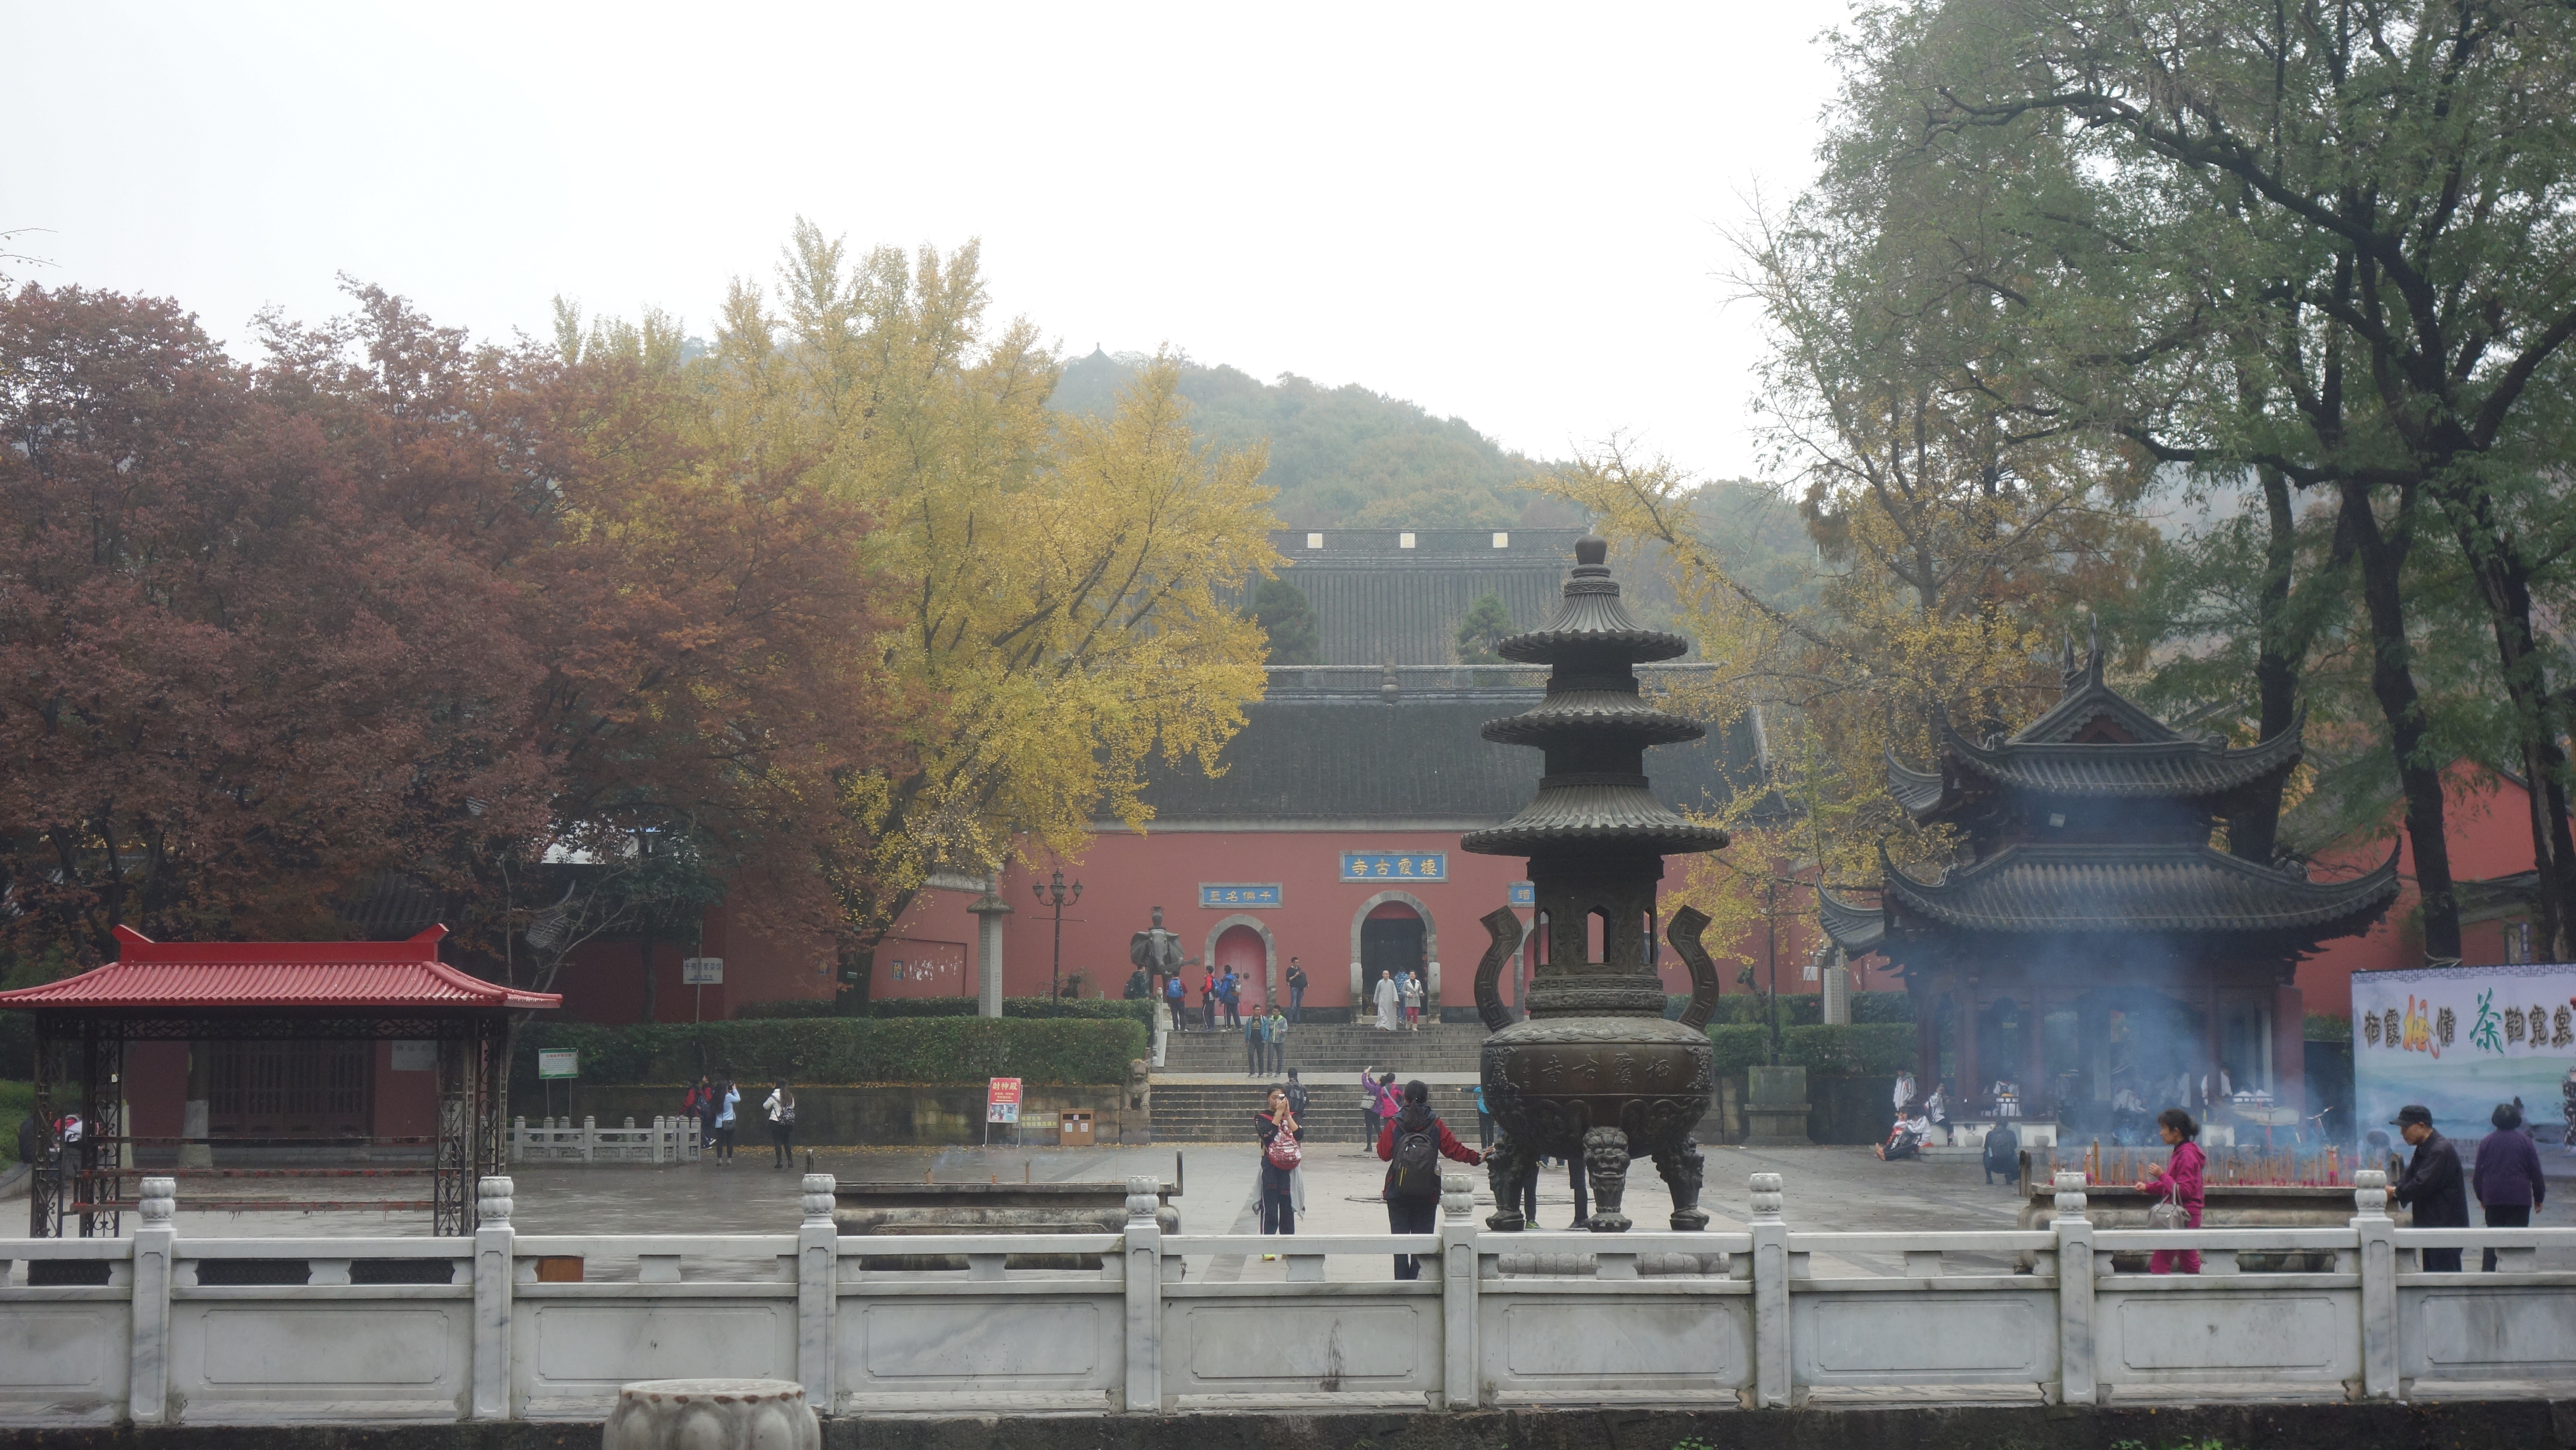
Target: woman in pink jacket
x=2180, y=1180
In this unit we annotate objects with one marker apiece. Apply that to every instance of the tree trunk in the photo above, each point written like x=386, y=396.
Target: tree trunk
x=2392, y=681
x=2504, y=584
x=2254, y=834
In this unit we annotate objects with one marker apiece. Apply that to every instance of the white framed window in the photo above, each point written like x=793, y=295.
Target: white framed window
x=1314, y=541
x=1502, y=539
x=1404, y=541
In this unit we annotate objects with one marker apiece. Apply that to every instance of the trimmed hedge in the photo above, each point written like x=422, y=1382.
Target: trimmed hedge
x=1805, y=1009
x=1860, y=1050
x=1088, y=1009
x=1061, y=1053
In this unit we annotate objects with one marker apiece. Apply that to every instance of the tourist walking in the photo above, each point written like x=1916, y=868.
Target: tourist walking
x=727, y=1101
x=2508, y=1181
x=2432, y=1184
x=1274, y=1035
x=1162, y=1027
x=1413, y=1142
x=2178, y=1181
x=1296, y=1094
x=1390, y=1002
x=1229, y=990
x=1283, y=1141
x=781, y=1107
x=1207, y=995
x=1412, y=1003
x=1256, y=1048
x=1296, y=991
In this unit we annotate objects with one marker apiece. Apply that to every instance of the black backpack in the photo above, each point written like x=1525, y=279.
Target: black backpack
x=1414, y=1172
x=1297, y=1098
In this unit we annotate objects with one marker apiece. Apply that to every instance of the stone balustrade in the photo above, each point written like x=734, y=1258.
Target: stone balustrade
x=156, y=1329
x=664, y=1140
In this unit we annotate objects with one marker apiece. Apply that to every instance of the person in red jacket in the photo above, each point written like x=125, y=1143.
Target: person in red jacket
x=1413, y=1142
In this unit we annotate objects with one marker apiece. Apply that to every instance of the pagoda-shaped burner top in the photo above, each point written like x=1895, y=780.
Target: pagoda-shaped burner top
x=1596, y=1069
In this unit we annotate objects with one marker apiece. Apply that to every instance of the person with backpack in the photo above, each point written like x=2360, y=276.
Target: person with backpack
x=1296, y=1092
x=1413, y=1142
x=1283, y=1147
x=701, y=1107
x=1176, y=995
x=2003, y=1154
x=1296, y=991
x=1229, y=990
x=781, y=1106
x=1207, y=996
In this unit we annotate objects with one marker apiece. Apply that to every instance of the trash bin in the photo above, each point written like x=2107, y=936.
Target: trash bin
x=1075, y=1131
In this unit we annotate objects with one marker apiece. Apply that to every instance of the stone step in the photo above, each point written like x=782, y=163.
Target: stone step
x=1209, y=1112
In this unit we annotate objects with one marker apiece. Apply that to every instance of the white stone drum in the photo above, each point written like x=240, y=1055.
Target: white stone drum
x=712, y=1415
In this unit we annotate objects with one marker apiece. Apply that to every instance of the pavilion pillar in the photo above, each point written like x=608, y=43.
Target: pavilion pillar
x=1971, y=1085
x=989, y=910
x=2290, y=1049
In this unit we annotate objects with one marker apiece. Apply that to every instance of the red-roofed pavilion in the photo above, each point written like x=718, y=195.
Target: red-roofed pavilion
x=266, y=991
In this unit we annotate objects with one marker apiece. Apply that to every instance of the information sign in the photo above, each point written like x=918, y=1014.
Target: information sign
x=701, y=971
x=558, y=1062
x=1002, y=1101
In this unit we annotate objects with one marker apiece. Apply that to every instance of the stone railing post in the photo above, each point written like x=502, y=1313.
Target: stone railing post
x=1458, y=1376
x=2376, y=1234
x=818, y=1304
x=1771, y=1368
x=147, y=1396
x=589, y=1138
x=519, y=1138
x=493, y=1266
x=1144, y=1255
x=2077, y=1380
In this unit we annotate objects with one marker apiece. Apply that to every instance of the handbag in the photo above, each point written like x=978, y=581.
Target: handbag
x=2168, y=1211
x=1284, y=1151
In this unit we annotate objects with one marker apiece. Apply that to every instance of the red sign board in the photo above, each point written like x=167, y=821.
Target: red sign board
x=1002, y=1100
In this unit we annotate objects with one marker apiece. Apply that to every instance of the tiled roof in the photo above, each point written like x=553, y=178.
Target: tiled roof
x=1567, y=714
x=2172, y=769
x=2171, y=888
x=1419, y=760
x=1375, y=601
x=356, y=976
x=2088, y=699
x=1858, y=930
x=1918, y=791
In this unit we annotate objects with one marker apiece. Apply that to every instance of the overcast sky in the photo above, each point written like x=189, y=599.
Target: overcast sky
x=1513, y=215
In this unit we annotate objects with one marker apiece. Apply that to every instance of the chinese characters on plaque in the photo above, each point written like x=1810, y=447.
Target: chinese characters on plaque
x=1395, y=866
x=1239, y=893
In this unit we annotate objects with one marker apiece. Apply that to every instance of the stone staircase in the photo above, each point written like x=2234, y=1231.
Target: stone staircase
x=1335, y=1050
x=1210, y=1112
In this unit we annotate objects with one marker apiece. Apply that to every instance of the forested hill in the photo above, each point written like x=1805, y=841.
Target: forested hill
x=1343, y=457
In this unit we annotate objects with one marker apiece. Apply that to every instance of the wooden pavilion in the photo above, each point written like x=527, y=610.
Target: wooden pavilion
x=266, y=992
x=2088, y=938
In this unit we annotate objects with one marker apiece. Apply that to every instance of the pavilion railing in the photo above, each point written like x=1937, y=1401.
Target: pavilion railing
x=157, y=1329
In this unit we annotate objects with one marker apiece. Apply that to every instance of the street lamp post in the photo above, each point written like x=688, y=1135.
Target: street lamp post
x=1054, y=894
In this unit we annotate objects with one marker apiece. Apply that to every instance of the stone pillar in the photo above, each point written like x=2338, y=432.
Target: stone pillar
x=712, y=1414
x=2376, y=1238
x=989, y=910
x=1837, y=989
x=2078, y=1379
x=1458, y=1375
x=493, y=1267
x=1431, y=990
x=1144, y=1271
x=2037, y=1092
x=147, y=1397
x=1771, y=1380
x=818, y=1254
x=1360, y=1007
x=196, y=1115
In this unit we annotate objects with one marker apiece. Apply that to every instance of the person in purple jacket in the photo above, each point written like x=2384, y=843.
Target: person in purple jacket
x=2507, y=1181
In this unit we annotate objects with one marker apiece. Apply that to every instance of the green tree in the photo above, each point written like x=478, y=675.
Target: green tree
x=2326, y=244
x=1288, y=620
x=1483, y=628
